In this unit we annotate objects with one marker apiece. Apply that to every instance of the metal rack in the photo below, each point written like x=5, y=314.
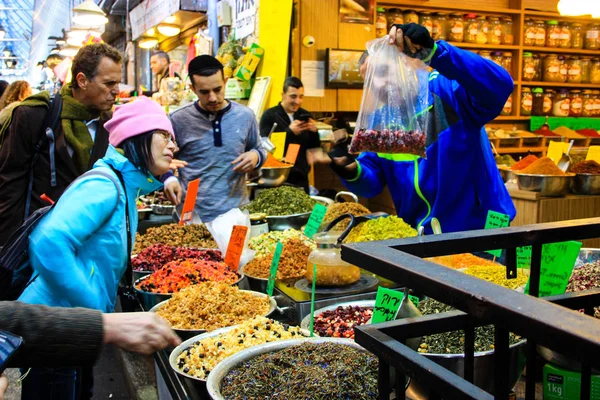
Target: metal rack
x=541, y=322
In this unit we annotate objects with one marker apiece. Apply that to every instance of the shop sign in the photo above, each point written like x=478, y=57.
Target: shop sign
x=149, y=14
x=244, y=20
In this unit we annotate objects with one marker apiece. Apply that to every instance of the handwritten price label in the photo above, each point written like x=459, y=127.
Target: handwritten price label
x=190, y=202
x=387, y=304
x=292, y=153
x=558, y=260
x=593, y=154
x=315, y=220
x=274, y=266
x=496, y=220
x=236, y=246
x=523, y=257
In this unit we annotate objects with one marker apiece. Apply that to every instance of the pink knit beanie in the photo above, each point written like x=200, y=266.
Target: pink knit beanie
x=140, y=116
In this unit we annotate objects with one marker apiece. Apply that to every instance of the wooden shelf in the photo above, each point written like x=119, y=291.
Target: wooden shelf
x=554, y=15
x=497, y=47
x=562, y=85
x=511, y=118
x=418, y=5
x=521, y=150
x=583, y=52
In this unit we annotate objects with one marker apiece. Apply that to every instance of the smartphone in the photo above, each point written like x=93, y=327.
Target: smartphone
x=9, y=345
x=303, y=117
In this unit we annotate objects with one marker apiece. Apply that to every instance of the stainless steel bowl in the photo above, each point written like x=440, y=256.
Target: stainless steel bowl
x=323, y=200
x=144, y=213
x=586, y=184
x=305, y=323
x=160, y=209
x=547, y=185
x=283, y=222
x=587, y=255
x=139, y=274
x=506, y=173
x=256, y=284
x=273, y=177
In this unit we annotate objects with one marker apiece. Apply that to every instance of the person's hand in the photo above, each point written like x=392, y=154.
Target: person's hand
x=176, y=164
x=412, y=39
x=139, y=332
x=246, y=162
x=3, y=386
x=297, y=127
x=342, y=162
x=174, y=191
x=311, y=125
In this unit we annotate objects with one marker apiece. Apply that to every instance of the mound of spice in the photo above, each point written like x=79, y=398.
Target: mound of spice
x=340, y=322
x=389, y=141
x=585, y=277
x=543, y=166
x=193, y=235
x=284, y=200
x=588, y=132
x=211, y=305
x=337, y=209
x=586, y=167
x=453, y=342
x=266, y=243
x=383, y=228
x=180, y=274
x=154, y=257
x=465, y=260
x=292, y=263
x=524, y=163
x=497, y=274
x=204, y=355
x=306, y=371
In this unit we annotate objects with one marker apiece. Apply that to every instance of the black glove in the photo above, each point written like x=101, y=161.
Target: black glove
x=419, y=37
x=339, y=151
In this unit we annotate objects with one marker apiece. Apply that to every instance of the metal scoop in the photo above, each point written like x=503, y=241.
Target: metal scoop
x=565, y=160
x=266, y=140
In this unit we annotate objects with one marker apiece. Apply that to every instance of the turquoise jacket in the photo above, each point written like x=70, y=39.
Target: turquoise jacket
x=79, y=250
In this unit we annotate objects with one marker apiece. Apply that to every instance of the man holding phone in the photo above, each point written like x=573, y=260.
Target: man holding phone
x=300, y=128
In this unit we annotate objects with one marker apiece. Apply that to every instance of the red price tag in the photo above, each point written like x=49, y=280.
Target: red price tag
x=292, y=153
x=190, y=202
x=236, y=246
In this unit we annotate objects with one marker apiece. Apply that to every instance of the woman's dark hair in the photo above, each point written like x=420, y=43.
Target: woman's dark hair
x=138, y=150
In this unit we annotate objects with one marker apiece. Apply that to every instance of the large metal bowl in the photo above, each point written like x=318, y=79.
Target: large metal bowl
x=506, y=173
x=586, y=184
x=283, y=222
x=213, y=384
x=305, y=323
x=162, y=209
x=274, y=176
x=547, y=185
x=256, y=284
x=326, y=201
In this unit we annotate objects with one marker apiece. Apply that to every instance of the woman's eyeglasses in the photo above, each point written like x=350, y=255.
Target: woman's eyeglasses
x=167, y=137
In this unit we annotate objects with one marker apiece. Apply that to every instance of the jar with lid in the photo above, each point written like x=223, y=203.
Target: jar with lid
x=486, y=54
x=588, y=103
x=494, y=30
x=331, y=269
x=564, y=69
x=538, y=65
x=471, y=28
x=426, y=21
x=526, y=101
x=592, y=36
x=258, y=224
x=537, y=105
x=497, y=57
x=410, y=16
x=552, y=33
x=528, y=67
x=561, y=104
x=529, y=32
x=549, y=96
x=565, y=36
x=507, y=62
x=551, y=68
x=577, y=35
x=596, y=103
x=540, y=33
x=484, y=27
x=381, y=23
x=455, y=29
x=574, y=70
x=576, y=103
x=440, y=22
x=394, y=16
x=595, y=70
x=507, y=109
x=508, y=36
x=586, y=65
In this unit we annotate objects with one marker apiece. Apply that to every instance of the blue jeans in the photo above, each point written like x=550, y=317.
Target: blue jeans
x=49, y=384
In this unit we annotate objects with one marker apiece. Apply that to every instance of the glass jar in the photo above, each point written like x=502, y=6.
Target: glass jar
x=410, y=16
x=561, y=104
x=394, y=16
x=497, y=57
x=577, y=35
x=331, y=269
x=574, y=70
x=549, y=96
x=528, y=67
x=538, y=65
x=576, y=103
x=426, y=21
x=507, y=109
x=526, y=101
x=471, y=28
x=486, y=54
x=455, y=29
x=540, y=33
x=596, y=112
x=440, y=22
x=258, y=224
x=507, y=62
x=586, y=65
x=552, y=33
x=381, y=23
x=508, y=36
x=565, y=37
x=592, y=36
x=529, y=32
x=482, y=36
x=494, y=31
x=564, y=69
x=537, y=105
x=595, y=70
x=551, y=68
x=588, y=103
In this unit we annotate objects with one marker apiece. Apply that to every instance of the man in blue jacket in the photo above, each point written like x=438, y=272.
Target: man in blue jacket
x=458, y=182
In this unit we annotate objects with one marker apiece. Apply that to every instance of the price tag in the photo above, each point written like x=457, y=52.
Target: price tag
x=190, y=202
x=556, y=150
x=274, y=266
x=387, y=304
x=496, y=220
x=524, y=257
x=236, y=246
x=312, y=301
x=315, y=220
x=292, y=153
x=593, y=154
x=558, y=260
x=278, y=140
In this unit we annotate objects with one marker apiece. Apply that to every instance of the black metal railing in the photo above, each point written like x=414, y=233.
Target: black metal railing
x=539, y=321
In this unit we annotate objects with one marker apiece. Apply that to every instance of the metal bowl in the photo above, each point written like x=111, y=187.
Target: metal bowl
x=547, y=185
x=323, y=200
x=283, y=222
x=586, y=184
x=256, y=284
x=213, y=384
x=160, y=209
x=136, y=275
x=506, y=173
x=305, y=323
x=273, y=177
x=144, y=213
x=185, y=334
x=587, y=255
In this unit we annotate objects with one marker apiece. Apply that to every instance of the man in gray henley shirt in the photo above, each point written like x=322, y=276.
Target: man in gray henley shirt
x=219, y=139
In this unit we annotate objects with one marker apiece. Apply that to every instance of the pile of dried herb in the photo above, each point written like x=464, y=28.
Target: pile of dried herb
x=454, y=342
x=383, y=228
x=193, y=235
x=585, y=278
x=337, y=209
x=284, y=200
x=316, y=371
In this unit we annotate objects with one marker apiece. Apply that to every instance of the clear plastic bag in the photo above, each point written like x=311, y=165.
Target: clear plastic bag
x=221, y=228
x=394, y=109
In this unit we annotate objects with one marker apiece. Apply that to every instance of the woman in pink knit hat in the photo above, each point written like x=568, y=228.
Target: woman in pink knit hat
x=80, y=250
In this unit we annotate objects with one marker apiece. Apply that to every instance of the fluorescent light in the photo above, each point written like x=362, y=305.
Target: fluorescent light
x=148, y=43
x=168, y=29
x=88, y=13
x=578, y=7
x=76, y=37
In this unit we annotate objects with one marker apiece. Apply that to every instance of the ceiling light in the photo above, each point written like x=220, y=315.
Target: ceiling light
x=2, y=33
x=69, y=51
x=578, y=7
x=76, y=36
x=150, y=32
x=147, y=43
x=168, y=29
x=89, y=14
x=170, y=20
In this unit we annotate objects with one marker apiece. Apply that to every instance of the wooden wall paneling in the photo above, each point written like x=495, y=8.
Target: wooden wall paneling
x=349, y=99
x=527, y=212
x=296, y=41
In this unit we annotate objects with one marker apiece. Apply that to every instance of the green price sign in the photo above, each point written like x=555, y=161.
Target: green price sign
x=558, y=260
x=496, y=220
x=273, y=270
x=315, y=220
x=387, y=304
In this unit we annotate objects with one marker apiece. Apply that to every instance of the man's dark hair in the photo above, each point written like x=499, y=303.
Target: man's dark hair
x=138, y=150
x=292, y=81
x=88, y=59
x=207, y=72
x=3, y=86
x=161, y=54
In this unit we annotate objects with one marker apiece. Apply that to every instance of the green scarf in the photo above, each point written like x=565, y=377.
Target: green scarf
x=73, y=117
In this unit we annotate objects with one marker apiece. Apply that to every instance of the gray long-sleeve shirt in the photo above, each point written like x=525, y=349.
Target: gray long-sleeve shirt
x=209, y=143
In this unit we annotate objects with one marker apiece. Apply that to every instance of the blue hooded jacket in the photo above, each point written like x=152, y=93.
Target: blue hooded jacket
x=79, y=249
x=459, y=182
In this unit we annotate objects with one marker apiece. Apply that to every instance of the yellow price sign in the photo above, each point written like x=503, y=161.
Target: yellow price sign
x=278, y=139
x=593, y=154
x=556, y=150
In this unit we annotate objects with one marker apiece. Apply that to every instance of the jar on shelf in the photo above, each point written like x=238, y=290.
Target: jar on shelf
x=537, y=105
x=507, y=62
x=258, y=224
x=497, y=57
x=486, y=54
x=410, y=16
x=426, y=21
x=540, y=33
x=455, y=29
x=549, y=96
x=526, y=101
x=331, y=269
x=596, y=112
x=440, y=22
x=565, y=37
x=508, y=36
x=494, y=31
x=586, y=65
x=576, y=99
x=561, y=104
x=528, y=67
x=574, y=70
x=564, y=69
x=588, y=103
x=484, y=26
x=538, y=65
x=507, y=109
x=595, y=70
x=592, y=36
x=394, y=16
x=529, y=32
x=551, y=68
x=577, y=35
x=552, y=33
x=471, y=29
x=381, y=23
